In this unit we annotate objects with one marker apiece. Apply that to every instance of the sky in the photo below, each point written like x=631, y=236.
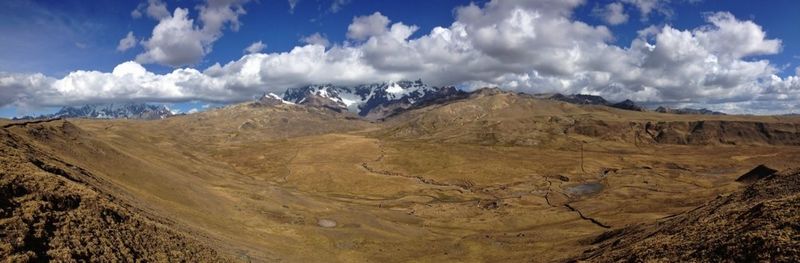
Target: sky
x=728, y=55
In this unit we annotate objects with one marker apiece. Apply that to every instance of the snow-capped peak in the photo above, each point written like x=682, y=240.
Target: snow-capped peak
x=395, y=89
x=365, y=99
x=272, y=99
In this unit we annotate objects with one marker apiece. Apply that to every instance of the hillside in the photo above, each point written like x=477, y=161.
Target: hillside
x=755, y=224
x=489, y=176
x=498, y=117
x=52, y=210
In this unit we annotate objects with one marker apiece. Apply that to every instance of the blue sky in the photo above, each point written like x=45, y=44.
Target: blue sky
x=48, y=40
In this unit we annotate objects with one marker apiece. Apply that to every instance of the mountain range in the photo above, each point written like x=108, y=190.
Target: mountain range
x=702, y=111
x=374, y=101
x=110, y=111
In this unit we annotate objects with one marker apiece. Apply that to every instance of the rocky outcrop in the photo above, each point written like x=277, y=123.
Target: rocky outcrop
x=687, y=111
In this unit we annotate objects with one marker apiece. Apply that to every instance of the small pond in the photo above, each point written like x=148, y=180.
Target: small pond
x=588, y=188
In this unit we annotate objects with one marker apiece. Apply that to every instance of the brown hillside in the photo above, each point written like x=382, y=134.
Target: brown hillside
x=758, y=224
x=275, y=182
x=496, y=117
x=53, y=210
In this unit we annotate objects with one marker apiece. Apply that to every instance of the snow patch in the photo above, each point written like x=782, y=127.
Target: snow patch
x=395, y=89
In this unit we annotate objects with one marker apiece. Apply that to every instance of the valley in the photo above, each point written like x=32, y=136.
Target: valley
x=486, y=177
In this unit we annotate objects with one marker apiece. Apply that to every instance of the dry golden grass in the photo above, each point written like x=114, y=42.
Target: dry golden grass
x=300, y=184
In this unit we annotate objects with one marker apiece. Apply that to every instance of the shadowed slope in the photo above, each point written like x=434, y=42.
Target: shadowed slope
x=53, y=210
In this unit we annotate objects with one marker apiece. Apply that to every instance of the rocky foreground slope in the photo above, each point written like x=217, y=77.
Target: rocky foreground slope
x=51, y=210
x=760, y=223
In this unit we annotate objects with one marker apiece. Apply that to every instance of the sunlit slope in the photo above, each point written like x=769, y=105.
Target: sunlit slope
x=494, y=117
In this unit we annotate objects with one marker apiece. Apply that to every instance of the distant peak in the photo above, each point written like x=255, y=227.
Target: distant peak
x=485, y=91
x=271, y=99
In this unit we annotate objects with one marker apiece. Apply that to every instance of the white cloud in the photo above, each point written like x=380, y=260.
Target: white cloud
x=128, y=42
x=193, y=111
x=16, y=88
x=612, y=14
x=177, y=41
x=256, y=47
x=364, y=27
x=155, y=9
x=215, y=14
x=518, y=45
x=316, y=39
x=136, y=13
x=728, y=36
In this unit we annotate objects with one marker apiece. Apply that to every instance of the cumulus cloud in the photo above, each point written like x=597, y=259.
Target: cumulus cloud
x=177, y=41
x=364, y=27
x=530, y=46
x=17, y=88
x=128, y=42
x=729, y=36
x=613, y=13
x=316, y=39
x=256, y=47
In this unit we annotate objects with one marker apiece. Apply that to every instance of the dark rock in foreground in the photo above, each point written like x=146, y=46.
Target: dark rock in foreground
x=758, y=173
